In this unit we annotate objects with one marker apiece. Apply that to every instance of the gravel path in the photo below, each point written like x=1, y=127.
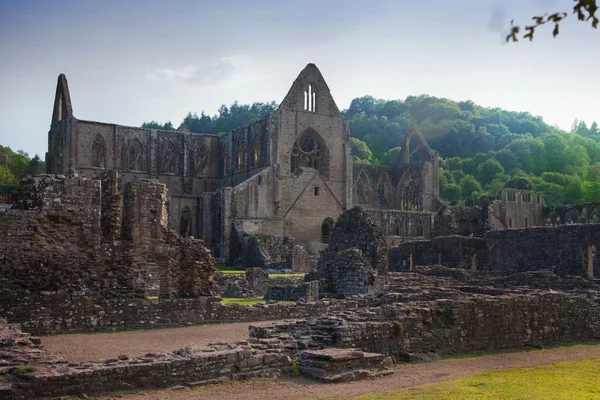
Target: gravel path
x=91, y=347
x=406, y=375
x=100, y=346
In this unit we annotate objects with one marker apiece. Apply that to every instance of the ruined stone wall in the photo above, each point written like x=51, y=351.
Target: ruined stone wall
x=516, y=208
x=55, y=241
x=481, y=324
x=356, y=260
x=64, y=312
x=308, y=291
x=569, y=249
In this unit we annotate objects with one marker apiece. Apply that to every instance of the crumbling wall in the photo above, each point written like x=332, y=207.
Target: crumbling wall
x=567, y=249
x=355, y=261
x=53, y=240
x=273, y=253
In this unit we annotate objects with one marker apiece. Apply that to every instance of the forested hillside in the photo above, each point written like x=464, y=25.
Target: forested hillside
x=480, y=148
x=15, y=166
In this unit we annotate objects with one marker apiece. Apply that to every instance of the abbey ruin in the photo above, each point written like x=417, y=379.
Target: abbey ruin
x=124, y=229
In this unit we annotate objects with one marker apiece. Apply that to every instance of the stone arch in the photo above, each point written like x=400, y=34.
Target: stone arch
x=572, y=216
x=98, y=152
x=420, y=230
x=185, y=221
x=201, y=159
x=552, y=218
x=463, y=227
x=474, y=225
x=363, y=189
x=135, y=159
x=309, y=151
x=256, y=153
x=411, y=191
x=59, y=143
x=595, y=216
x=407, y=228
x=169, y=158
x=588, y=256
x=424, y=152
x=395, y=228
x=326, y=229
x=384, y=187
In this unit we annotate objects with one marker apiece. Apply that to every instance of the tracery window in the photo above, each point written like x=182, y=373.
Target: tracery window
x=99, y=152
x=135, y=160
x=309, y=153
x=58, y=153
x=411, y=197
x=170, y=165
x=200, y=162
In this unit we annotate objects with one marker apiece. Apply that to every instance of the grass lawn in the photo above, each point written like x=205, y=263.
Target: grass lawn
x=242, y=301
x=566, y=380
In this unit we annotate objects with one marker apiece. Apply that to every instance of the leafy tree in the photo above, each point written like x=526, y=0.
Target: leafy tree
x=390, y=156
x=469, y=186
x=451, y=192
x=585, y=10
x=361, y=151
x=167, y=126
x=488, y=170
x=8, y=182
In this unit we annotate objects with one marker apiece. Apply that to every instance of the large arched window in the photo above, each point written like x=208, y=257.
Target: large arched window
x=309, y=151
x=201, y=161
x=411, y=196
x=326, y=229
x=256, y=155
x=59, y=144
x=396, y=228
x=135, y=160
x=170, y=165
x=99, y=152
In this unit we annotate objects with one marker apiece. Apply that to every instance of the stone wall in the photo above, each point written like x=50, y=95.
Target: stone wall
x=426, y=330
x=308, y=291
x=64, y=312
x=355, y=261
x=54, y=240
x=568, y=249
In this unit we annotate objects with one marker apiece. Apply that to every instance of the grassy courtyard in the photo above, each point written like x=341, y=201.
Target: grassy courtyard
x=561, y=381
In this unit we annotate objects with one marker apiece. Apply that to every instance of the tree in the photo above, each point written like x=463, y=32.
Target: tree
x=584, y=9
x=451, y=192
x=361, y=150
x=469, y=186
x=489, y=170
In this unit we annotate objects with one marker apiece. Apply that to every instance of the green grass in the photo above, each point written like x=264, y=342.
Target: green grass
x=152, y=297
x=242, y=301
x=479, y=353
x=566, y=380
x=284, y=275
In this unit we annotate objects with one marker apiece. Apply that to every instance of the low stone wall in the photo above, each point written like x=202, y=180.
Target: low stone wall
x=61, y=312
x=407, y=332
x=308, y=291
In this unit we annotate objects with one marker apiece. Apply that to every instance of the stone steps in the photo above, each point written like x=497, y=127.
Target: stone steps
x=343, y=365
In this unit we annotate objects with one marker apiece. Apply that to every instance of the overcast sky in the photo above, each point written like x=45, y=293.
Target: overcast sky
x=132, y=61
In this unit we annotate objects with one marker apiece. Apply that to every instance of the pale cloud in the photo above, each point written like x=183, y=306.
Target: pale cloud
x=214, y=73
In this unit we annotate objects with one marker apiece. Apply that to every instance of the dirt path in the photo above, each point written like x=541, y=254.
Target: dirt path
x=100, y=346
x=407, y=375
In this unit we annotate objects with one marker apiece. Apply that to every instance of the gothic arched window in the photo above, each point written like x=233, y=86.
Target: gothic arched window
x=99, y=152
x=309, y=152
x=170, y=164
x=135, y=160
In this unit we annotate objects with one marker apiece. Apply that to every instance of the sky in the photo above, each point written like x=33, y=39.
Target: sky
x=130, y=61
